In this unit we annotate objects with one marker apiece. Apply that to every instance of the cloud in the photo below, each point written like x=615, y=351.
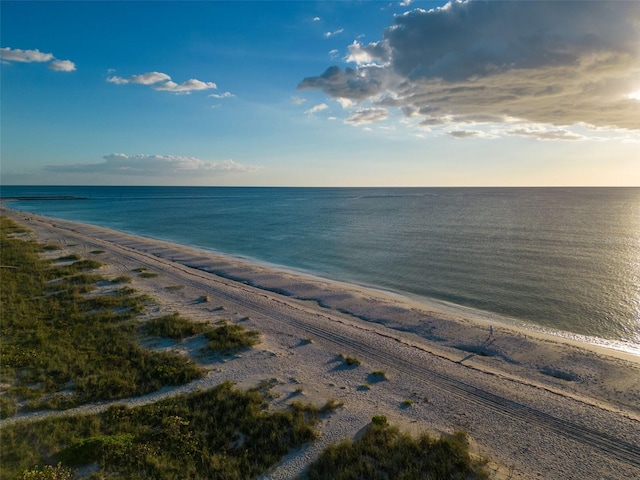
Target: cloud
x=546, y=134
x=365, y=116
x=62, y=66
x=8, y=54
x=316, y=19
x=162, y=81
x=554, y=63
x=345, y=102
x=25, y=56
x=144, y=79
x=317, y=108
x=297, y=100
x=185, y=87
x=366, y=54
x=464, y=133
x=333, y=34
x=350, y=83
x=221, y=95
x=154, y=165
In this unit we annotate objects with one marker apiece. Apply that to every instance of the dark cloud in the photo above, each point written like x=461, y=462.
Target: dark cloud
x=344, y=84
x=548, y=62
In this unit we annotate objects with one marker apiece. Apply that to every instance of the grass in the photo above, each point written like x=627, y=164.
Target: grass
x=379, y=374
x=73, y=256
x=224, y=338
x=59, y=347
x=230, y=338
x=350, y=361
x=384, y=452
x=147, y=275
x=173, y=326
x=222, y=433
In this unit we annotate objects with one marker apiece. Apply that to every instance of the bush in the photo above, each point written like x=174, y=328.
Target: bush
x=229, y=338
x=173, y=326
x=384, y=452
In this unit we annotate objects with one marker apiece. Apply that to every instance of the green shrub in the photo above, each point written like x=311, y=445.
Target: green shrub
x=59, y=348
x=48, y=472
x=384, y=452
x=221, y=433
x=173, y=326
x=229, y=338
x=104, y=448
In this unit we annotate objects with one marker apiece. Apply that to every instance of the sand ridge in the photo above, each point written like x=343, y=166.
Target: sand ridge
x=540, y=406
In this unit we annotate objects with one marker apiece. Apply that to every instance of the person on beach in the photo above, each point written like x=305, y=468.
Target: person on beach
x=491, y=332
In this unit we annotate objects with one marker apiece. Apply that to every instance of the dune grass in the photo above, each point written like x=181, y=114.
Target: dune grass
x=59, y=347
x=222, y=433
x=384, y=452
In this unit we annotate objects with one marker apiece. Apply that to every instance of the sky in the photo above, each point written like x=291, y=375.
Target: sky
x=328, y=93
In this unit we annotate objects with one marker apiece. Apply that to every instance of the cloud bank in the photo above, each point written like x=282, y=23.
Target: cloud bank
x=8, y=55
x=162, y=81
x=154, y=165
x=554, y=63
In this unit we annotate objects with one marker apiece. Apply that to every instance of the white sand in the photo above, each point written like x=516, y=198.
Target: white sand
x=538, y=405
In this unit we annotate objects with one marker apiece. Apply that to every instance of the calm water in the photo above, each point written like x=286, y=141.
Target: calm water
x=561, y=259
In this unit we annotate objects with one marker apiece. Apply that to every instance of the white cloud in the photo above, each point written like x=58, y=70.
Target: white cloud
x=62, y=66
x=185, y=87
x=316, y=19
x=333, y=34
x=162, y=81
x=145, y=79
x=154, y=165
x=345, y=102
x=367, y=54
x=221, y=95
x=365, y=116
x=317, y=108
x=298, y=100
x=25, y=56
x=553, y=63
x=30, y=56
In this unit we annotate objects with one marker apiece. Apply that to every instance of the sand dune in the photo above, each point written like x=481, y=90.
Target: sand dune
x=538, y=405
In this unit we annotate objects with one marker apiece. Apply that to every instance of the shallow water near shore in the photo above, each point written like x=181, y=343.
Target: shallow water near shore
x=563, y=260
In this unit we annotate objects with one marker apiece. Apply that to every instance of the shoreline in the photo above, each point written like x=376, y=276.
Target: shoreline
x=515, y=393
x=624, y=349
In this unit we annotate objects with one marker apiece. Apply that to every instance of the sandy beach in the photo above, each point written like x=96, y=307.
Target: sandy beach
x=539, y=406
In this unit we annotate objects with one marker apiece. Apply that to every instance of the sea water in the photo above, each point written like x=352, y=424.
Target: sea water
x=565, y=260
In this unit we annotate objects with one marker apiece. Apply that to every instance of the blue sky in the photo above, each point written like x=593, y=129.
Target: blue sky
x=342, y=93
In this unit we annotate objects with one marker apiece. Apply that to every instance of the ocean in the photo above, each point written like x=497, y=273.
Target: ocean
x=562, y=260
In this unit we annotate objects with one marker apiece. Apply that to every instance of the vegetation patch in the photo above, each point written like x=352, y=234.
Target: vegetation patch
x=222, y=433
x=73, y=256
x=173, y=326
x=350, y=361
x=59, y=347
x=230, y=338
x=147, y=275
x=384, y=452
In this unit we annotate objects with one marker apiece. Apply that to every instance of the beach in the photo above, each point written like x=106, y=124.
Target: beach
x=539, y=406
